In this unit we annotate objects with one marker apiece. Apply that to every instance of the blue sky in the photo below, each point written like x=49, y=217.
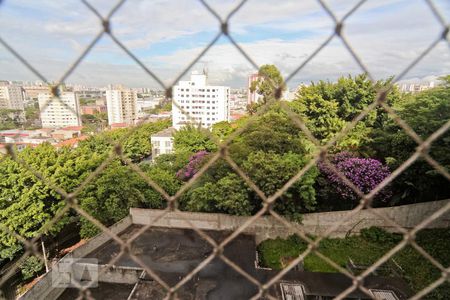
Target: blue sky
x=166, y=35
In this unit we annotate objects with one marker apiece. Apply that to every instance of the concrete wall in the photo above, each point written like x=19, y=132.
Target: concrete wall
x=407, y=216
x=107, y=273
x=127, y=275
x=44, y=288
x=315, y=223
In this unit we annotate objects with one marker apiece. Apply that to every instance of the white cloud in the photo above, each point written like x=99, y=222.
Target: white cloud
x=386, y=34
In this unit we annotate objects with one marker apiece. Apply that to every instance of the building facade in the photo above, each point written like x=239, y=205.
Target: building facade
x=200, y=104
x=252, y=97
x=416, y=87
x=93, y=109
x=32, y=91
x=121, y=105
x=162, y=142
x=11, y=97
x=62, y=113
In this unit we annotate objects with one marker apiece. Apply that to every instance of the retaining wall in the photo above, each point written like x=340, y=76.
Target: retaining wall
x=266, y=227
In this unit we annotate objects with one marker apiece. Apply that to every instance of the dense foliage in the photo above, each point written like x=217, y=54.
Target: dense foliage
x=365, y=250
x=30, y=267
x=364, y=173
x=425, y=113
x=193, y=165
x=10, y=118
x=27, y=203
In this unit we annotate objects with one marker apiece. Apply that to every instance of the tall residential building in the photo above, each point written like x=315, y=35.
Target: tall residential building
x=56, y=114
x=202, y=104
x=11, y=97
x=121, y=104
x=252, y=97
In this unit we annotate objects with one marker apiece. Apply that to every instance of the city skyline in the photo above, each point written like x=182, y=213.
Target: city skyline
x=386, y=35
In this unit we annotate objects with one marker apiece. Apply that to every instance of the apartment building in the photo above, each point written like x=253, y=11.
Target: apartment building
x=11, y=97
x=252, y=96
x=32, y=91
x=121, y=105
x=200, y=104
x=63, y=113
x=416, y=87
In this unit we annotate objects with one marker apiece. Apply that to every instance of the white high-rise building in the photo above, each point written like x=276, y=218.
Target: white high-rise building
x=121, y=104
x=11, y=97
x=203, y=104
x=56, y=114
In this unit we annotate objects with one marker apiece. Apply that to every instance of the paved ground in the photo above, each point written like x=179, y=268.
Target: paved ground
x=173, y=253
x=103, y=291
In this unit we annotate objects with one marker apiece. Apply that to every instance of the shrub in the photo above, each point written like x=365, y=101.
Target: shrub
x=193, y=166
x=364, y=173
x=379, y=235
x=30, y=267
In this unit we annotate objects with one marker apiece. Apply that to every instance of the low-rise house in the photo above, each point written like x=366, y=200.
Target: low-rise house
x=162, y=142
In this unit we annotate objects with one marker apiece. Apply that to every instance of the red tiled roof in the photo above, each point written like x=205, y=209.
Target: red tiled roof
x=75, y=128
x=14, y=134
x=119, y=125
x=237, y=116
x=71, y=142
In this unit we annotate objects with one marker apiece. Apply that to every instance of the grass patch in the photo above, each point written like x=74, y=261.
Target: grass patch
x=366, y=249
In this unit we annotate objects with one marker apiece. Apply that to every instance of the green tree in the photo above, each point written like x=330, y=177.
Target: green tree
x=167, y=181
x=425, y=113
x=191, y=139
x=328, y=107
x=94, y=123
x=271, y=171
x=109, y=197
x=138, y=145
x=30, y=267
x=26, y=202
x=228, y=195
x=270, y=79
x=272, y=131
x=222, y=130
x=10, y=118
x=118, y=188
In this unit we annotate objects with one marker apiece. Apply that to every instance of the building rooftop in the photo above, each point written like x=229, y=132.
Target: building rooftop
x=73, y=128
x=72, y=142
x=168, y=132
x=173, y=253
x=119, y=125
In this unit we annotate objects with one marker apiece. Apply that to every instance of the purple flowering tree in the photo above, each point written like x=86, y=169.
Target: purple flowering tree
x=193, y=165
x=364, y=173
